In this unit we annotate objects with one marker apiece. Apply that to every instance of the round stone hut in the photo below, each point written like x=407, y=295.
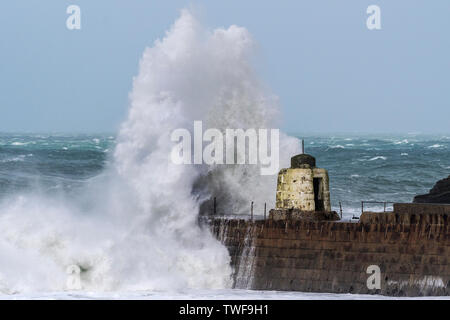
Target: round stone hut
x=303, y=186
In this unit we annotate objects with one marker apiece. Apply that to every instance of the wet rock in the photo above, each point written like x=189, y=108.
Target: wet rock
x=439, y=194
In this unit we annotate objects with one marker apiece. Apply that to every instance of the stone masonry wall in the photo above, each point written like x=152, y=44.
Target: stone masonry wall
x=295, y=189
x=327, y=256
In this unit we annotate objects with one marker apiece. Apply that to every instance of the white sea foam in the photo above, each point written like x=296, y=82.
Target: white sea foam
x=404, y=141
x=136, y=227
x=220, y=294
x=435, y=146
x=13, y=159
x=19, y=158
x=377, y=158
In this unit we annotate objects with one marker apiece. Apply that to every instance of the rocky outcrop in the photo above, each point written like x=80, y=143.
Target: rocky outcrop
x=439, y=194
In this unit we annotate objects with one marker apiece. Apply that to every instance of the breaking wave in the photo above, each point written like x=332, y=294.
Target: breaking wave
x=378, y=158
x=135, y=226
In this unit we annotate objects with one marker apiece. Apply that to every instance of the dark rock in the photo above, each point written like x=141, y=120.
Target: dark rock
x=439, y=194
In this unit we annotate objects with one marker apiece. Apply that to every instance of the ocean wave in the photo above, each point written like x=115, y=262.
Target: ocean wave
x=436, y=146
x=16, y=143
x=135, y=227
x=378, y=158
x=19, y=158
x=367, y=158
x=15, y=159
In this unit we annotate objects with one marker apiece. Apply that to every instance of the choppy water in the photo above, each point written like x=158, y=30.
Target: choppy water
x=217, y=294
x=49, y=162
x=375, y=168
x=380, y=167
x=127, y=221
x=367, y=167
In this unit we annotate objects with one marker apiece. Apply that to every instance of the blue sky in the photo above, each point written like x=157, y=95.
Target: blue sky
x=330, y=72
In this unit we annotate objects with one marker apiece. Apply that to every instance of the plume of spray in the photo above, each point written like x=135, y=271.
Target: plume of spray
x=136, y=228
x=197, y=74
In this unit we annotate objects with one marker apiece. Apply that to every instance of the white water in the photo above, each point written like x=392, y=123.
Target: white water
x=246, y=264
x=216, y=294
x=136, y=228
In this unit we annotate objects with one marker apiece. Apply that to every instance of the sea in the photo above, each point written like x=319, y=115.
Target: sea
x=362, y=167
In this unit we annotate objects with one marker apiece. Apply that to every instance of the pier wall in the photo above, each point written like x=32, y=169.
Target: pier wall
x=410, y=246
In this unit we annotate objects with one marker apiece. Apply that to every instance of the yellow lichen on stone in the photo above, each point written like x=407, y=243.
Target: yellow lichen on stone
x=305, y=189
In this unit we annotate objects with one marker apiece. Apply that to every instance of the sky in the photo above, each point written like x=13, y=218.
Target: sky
x=330, y=72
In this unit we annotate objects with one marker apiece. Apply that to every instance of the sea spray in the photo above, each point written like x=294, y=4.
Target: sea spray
x=194, y=74
x=135, y=227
